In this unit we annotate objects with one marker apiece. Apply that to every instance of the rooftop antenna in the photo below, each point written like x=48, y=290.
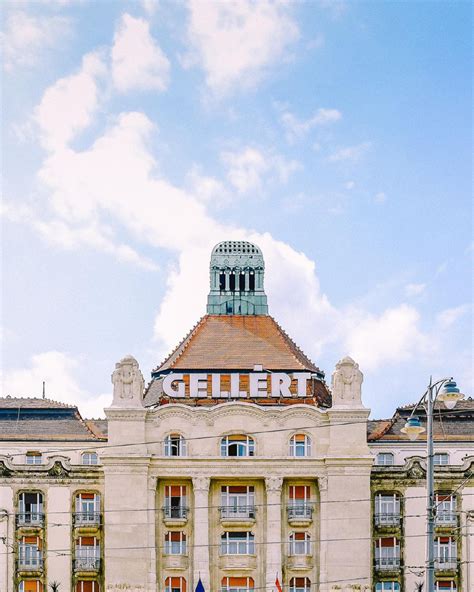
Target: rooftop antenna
x=44, y=389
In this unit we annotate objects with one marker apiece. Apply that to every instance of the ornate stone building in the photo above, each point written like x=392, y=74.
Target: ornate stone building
x=236, y=465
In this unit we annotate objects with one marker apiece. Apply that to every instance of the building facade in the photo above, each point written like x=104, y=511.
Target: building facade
x=236, y=465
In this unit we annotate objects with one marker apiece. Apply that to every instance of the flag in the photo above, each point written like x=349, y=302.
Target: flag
x=200, y=587
x=277, y=584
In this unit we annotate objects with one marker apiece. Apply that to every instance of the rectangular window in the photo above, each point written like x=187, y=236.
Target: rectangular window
x=30, y=586
x=387, y=508
x=445, y=552
x=300, y=543
x=237, y=543
x=87, y=586
x=87, y=553
x=445, y=586
x=87, y=508
x=445, y=504
x=33, y=458
x=175, y=502
x=175, y=543
x=237, y=584
x=387, y=553
x=30, y=552
x=385, y=458
x=175, y=585
x=299, y=502
x=440, y=458
x=237, y=501
x=387, y=587
x=30, y=507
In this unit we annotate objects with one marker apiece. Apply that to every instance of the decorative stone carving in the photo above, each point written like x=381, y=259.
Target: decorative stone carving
x=58, y=470
x=128, y=383
x=346, y=383
x=273, y=483
x=201, y=483
x=323, y=483
x=4, y=470
x=416, y=471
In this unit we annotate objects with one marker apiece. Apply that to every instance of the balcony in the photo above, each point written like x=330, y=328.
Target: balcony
x=85, y=519
x=87, y=564
x=237, y=515
x=446, y=564
x=30, y=519
x=300, y=514
x=387, y=519
x=30, y=562
x=446, y=518
x=300, y=562
x=386, y=564
x=175, y=562
x=238, y=562
x=175, y=515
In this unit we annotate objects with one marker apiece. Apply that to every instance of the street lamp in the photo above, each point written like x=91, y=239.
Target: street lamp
x=447, y=391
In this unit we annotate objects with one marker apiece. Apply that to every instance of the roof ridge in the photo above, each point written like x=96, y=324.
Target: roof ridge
x=46, y=400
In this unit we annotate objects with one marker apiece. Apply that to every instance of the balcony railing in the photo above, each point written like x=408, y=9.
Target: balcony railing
x=446, y=563
x=87, y=564
x=30, y=519
x=387, y=563
x=446, y=518
x=175, y=512
x=300, y=511
x=30, y=561
x=87, y=518
x=387, y=518
x=237, y=512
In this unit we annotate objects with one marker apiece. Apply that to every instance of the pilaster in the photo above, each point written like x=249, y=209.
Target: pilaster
x=201, y=531
x=273, y=486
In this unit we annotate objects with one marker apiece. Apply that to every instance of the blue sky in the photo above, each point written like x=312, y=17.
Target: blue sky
x=335, y=135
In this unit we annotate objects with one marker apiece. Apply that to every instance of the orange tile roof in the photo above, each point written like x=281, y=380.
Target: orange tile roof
x=237, y=342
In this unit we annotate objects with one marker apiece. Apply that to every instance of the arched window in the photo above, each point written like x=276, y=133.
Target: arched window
x=385, y=458
x=233, y=584
x=300, y=543
x=90, y=458
x=175, y=445
x=300, y=445
x=30, y=506
x=175, y=585
x=175, y=543
x=300, y=585
x=237, y=445
x=237, y=543
x=387, y=587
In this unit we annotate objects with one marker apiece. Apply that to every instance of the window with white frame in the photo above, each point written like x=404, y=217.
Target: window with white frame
x=87, y=508
x=385, y=459
x=175, y=584
x=445, y=586
x=30, y=506
x=300, y=543
x=300, y=585
x=445, y=551
x=387, y=587
x=33, y=457
x=237, y=501
x=237, y=543
x=87, y=553
x=300, y=445
x=30, y=586
x=175, y=543
x=299, y=503
x=237, y=584
x=90, y=458
x=445, y=504
x=175, y=502
x=87, y=586
x=387, y=553
x=387, y=508
x=30, y=554
x=175, y=445
x=237, y=445
x=441, y=458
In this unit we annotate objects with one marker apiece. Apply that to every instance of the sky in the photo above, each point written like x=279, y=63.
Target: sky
x=335, y=135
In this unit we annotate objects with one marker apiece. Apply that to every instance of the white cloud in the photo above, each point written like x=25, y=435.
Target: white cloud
x=206, y=188
x=380, y=197
x=59, y=371
x=391, y=337
x=27, y=36
x=414, y=289
x=138, y=63
x=449, y=316
x=350, y=153
x=247, y=168
x=296, y=128
x=69, y=105
x=236, y=42
x=150, y=6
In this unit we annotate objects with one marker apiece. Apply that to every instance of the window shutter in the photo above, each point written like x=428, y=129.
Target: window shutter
x=86, y=496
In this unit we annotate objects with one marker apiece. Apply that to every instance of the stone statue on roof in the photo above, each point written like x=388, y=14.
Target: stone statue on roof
x=128, y=383
x=346, y=383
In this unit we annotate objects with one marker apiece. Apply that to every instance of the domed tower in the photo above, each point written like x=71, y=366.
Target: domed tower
x=236, y=272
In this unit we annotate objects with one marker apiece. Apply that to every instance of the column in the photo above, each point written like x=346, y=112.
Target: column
x=227, y=280
x=247, y=280
x=152, y=514
x=201, y=532
x=273, y=487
